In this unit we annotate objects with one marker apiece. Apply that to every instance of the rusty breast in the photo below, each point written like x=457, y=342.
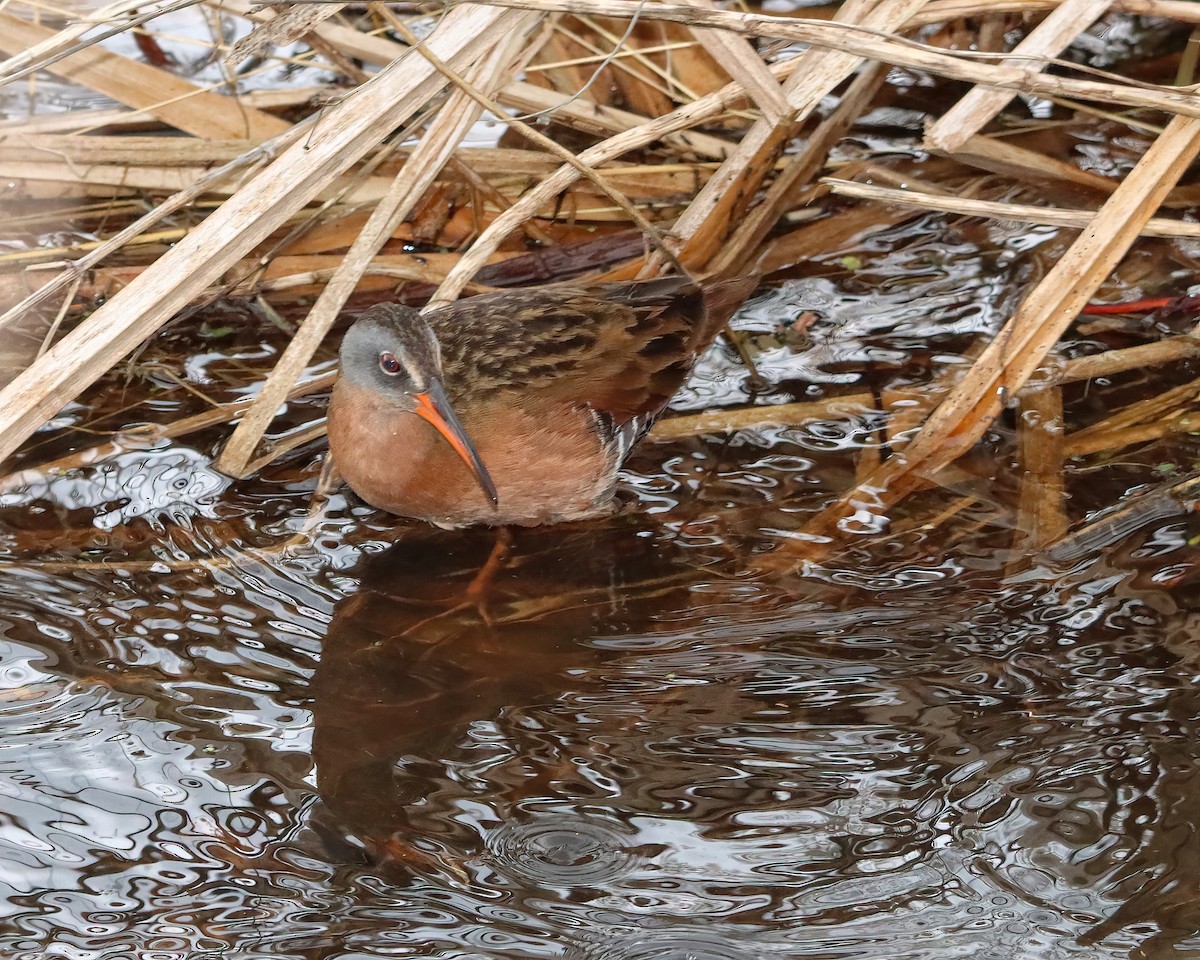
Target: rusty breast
x=545, y=457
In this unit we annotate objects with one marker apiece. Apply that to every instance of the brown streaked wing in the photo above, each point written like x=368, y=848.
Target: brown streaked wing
x=622, y=349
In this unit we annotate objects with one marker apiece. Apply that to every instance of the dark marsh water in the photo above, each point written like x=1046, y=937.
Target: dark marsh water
x=639, y=745
x=933, y=744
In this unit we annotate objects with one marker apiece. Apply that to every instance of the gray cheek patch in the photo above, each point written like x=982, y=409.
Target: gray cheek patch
x=402, y=333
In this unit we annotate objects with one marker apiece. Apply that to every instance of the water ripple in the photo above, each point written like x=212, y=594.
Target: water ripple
x=561, y=850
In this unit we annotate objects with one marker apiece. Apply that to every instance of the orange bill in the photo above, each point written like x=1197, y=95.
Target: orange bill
x=434, y=407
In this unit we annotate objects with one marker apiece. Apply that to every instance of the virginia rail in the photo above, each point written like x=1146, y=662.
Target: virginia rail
x=513, y=407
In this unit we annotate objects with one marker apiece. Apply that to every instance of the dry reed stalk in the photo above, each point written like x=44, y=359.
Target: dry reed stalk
x=1018, y=76
x=580, y=114
x=1185, y=11
x=1182, y=10
x=243, y=163
x=52, y=123
x=1112, y=440
x=41, y=254
x=382, y=275
x=1111, y=362
x=54, y=217
x=52, y=329
x=638, y=79
x=102, y=179
x=867, y=170
x=1041, y=512
x=167, y=97
x=1009, y=360
x=1007, y=159
x=292, y=440
x=81, y=150
x=908, y=405
x=39, y=55
x=756, y=418
x=119, y=119
x=742, y=62
x=647, y=229
x=781, y=196
x=898, y=403
x=290, y=24
x=994, y=210
x=339, y=138
x=604, y=120
x=1152, y=408
x=291, y=278
x=509, y=169
x=142, y=437
x=33, y=190
x=1048, y=39
x=303, y=275
x=540, y=66
x=338, y=231
x=690, y=114
x=722, y=202
x=457, y=115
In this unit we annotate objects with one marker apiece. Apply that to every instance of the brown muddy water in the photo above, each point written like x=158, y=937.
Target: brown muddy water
x=637, y=747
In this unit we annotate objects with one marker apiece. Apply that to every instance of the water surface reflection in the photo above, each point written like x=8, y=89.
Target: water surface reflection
x=632, y=744
x=625, y=749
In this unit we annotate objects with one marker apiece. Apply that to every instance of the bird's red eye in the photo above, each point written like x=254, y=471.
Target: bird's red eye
x=389, y=364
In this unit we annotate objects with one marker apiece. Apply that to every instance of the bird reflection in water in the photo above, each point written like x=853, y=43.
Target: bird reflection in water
x=412, y=680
